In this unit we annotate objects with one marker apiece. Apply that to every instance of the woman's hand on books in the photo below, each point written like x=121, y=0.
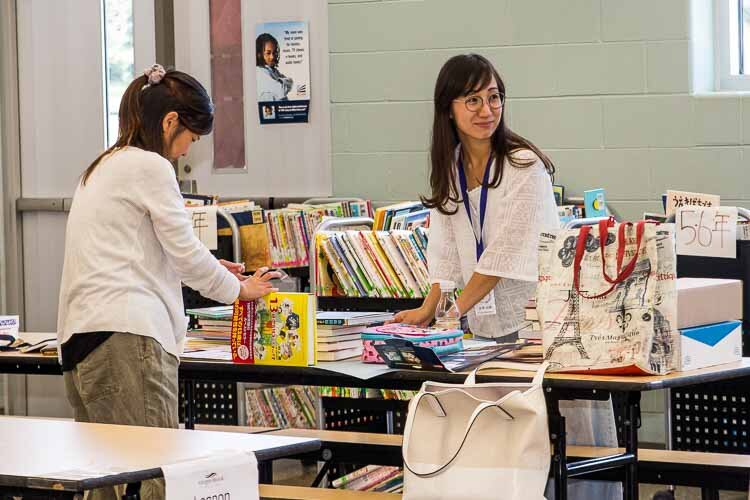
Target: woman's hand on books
x=419, y=317
x=235, y=268
x=258, y=285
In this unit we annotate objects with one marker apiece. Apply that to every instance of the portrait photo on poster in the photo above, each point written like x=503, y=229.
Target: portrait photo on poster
x=282, y=69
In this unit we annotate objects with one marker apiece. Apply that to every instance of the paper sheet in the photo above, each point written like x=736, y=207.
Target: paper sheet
x=224, y=475
x=204, y=224
x=355, y=368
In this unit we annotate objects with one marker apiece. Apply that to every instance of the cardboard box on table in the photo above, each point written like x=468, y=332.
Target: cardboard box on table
x=709, y=315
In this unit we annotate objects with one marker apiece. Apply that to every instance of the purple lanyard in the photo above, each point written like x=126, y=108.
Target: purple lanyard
x=482, y=201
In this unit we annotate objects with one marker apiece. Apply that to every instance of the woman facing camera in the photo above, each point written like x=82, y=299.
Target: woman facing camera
x=272, y=85
x=491, y=197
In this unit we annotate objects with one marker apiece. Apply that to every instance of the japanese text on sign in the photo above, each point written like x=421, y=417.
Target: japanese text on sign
x=679, y=199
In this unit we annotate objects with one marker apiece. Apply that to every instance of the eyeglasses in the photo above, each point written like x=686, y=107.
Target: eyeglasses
x=476, y=102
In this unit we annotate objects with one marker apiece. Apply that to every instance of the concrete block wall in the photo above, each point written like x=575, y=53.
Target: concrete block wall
x=603, y=86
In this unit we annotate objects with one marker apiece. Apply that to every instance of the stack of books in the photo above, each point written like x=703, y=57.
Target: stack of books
x=286, y=407
x=533, y=330
x=362, y=393
x=211, y=323
x=567, y=213
x=291, y=229
x=380, y=478
x=389, y=264
x=407, y=215
x=340, y=333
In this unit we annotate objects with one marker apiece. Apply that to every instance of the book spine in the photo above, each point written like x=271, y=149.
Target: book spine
x=384, y=264
x=397, y=259
x=348, y=266
x=345, y=277
x=344, y=480
x=377, y=287
x=359, y=265
x=371, y=479
x=333, y=322
x=377, y=268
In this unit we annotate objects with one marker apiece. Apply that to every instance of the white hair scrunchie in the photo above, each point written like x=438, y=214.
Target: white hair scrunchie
x=155, y=74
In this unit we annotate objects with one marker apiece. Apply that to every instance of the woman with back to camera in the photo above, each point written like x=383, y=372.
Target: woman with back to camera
x=129, y=243
x=491, y=197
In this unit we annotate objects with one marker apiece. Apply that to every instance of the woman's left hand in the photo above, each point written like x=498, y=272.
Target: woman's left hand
x=235, y=268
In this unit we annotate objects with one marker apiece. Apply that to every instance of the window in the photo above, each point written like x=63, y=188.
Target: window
x=119, y=59
x=733, y=44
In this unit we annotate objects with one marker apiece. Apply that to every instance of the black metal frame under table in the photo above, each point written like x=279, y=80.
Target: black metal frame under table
x=558, y=387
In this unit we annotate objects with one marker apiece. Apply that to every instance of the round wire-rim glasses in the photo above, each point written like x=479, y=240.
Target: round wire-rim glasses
x=496, y=100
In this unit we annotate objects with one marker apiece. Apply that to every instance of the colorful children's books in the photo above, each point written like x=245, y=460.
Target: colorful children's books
x=595, y=204
x=279, y=329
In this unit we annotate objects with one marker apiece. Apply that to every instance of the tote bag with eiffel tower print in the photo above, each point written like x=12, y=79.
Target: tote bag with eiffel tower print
x=607, y=299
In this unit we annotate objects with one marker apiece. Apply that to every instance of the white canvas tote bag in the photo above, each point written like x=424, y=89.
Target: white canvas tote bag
x=477, y=441
x=607, y=299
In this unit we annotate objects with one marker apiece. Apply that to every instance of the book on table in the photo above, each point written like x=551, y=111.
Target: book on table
x=337, y=318
x=278, y=329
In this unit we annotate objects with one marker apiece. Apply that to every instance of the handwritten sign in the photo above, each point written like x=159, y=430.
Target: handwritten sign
x=678, y=199
x=204, y=224
x=707, y=232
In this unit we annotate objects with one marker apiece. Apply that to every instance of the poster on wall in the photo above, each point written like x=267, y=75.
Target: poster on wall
x=282, y=60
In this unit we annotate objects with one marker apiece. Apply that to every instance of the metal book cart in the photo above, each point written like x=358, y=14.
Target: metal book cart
x=357, y=414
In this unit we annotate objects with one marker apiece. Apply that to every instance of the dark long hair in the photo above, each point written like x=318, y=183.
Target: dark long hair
x=260, y=47
x=460, y=76
x=143, y=108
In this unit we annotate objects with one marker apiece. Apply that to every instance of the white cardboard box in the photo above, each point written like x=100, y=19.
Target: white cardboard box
x=705, y=301
x=711, y=345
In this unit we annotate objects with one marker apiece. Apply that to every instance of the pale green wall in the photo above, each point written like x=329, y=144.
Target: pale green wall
x=603, y=86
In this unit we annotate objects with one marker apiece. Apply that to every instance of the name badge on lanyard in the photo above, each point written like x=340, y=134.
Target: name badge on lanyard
x=486, y=306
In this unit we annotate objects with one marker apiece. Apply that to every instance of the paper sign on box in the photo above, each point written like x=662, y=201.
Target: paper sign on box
x=678, y=199
x=707, y=232
x=204, y=224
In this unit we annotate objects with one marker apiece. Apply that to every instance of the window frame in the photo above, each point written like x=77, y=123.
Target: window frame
x=725, y=80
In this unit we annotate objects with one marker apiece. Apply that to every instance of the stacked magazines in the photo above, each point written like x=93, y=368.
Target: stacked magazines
x=380, y=478
x=388, y=264
x=211, y=323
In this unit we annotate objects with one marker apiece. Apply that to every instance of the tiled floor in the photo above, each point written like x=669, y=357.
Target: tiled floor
x=292, y=472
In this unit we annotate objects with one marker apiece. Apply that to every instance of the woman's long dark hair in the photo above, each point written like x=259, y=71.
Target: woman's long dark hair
x=143, y=108
x=460, y=76
x=260, y=47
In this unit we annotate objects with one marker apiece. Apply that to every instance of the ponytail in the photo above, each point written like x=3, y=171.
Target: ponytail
x=145, y=103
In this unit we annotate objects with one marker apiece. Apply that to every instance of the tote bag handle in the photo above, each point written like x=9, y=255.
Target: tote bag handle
x=481, y=408
x=623, y=273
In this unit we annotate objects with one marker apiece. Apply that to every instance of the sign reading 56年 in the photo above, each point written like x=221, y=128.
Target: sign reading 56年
x=707, y=232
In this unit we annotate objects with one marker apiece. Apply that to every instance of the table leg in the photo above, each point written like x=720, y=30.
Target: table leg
x=189, y=404
x=132, y=491
x=559, y=453
x=630, y=436
x=265, y=472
